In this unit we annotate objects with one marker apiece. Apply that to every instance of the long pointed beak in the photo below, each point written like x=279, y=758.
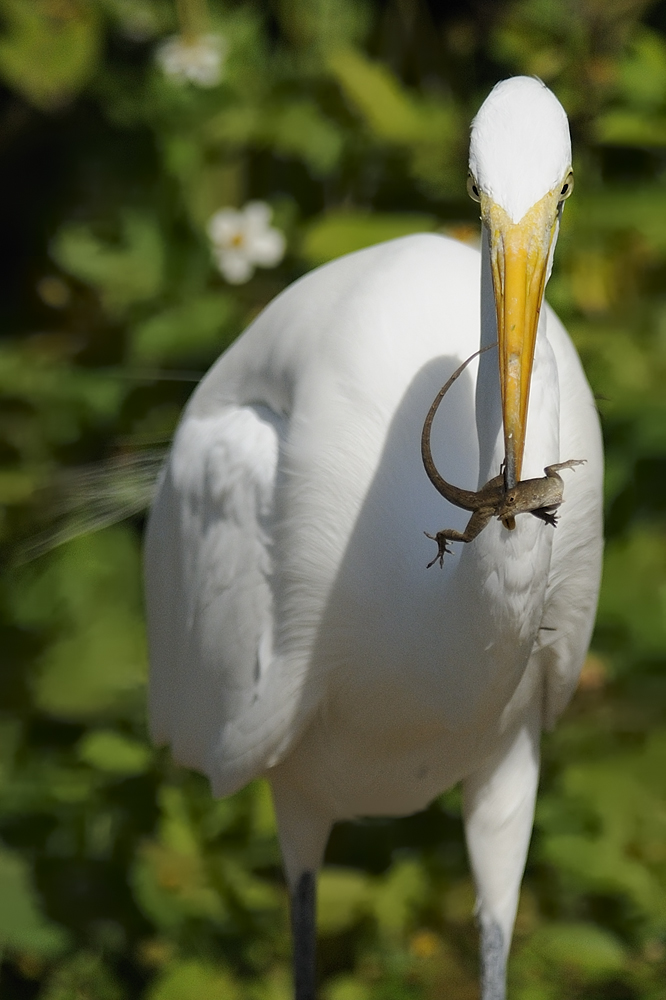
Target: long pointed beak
x=520, y=254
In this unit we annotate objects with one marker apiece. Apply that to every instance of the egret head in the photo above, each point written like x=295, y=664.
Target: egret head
x=520, y=173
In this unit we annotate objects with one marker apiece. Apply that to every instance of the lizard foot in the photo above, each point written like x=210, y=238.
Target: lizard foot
x=546, y=514
x=442, y=548
x=571, y=464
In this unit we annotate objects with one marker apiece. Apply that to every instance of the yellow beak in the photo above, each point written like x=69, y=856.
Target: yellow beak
x=519, y=254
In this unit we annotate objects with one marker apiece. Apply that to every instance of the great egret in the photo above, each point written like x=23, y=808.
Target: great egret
x=294, y=629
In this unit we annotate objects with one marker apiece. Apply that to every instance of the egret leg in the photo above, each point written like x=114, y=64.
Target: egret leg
x=493, y=962
x=304, y=934
x=303, y=833
x=499, y=811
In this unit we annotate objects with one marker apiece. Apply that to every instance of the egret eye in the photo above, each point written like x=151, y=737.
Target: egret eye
x=567, y=187
x=473, y=188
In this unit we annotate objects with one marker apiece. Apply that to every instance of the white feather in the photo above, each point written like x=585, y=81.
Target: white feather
x=517, y=158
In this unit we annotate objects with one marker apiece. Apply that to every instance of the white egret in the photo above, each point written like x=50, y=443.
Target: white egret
x=294, y=629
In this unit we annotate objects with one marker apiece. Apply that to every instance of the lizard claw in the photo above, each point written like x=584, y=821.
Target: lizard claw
x=442, y=548
x=546, y=514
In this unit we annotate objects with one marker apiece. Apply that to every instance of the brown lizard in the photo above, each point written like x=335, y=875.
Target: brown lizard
x=540, y=497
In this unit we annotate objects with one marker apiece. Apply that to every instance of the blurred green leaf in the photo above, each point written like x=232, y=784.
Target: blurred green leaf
x=188, y=331
x=347, y=988
x=290, y=128
x=172, y=887
x=385, y=105
x=93, y=670
x=171, y=880
x=343, y=232
x=631, y=128
x=642, y=70
x=22, y=925
x=193, y=980
x=139, y=20
x=10, y=734
x=91, y=588
x=298, y=128
x=59, y=397
x=558, y=952
x=114, y=753
x=263, y=811
x=16, y=485
x=49, y=50
x=637, y=207
x=255, y=894
x=623, y=850
x=343, y=897
x=634, y=590
x=398, y=895
x=83, y=976
x=123, y=274
x=324, y=23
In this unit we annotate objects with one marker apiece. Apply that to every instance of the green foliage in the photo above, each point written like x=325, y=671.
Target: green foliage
x=324, y=24
x=114, y=753
x=86, y=595
x=159, y=339
x=192, y=980
x=639, y=117
x=22, y=925
x=83, y=975
x=342, y=232
x=49, y=50
x=383, y=103
x=634, y=596
x=119, y=875
x=618, y=851
x=129, y=272
x=585, y=956
x=426, y=129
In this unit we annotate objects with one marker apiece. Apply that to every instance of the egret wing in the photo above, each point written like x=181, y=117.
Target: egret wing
x=208, y=589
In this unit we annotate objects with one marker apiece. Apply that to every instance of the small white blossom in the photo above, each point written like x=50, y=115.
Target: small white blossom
x=199, y=61
x=243, y=240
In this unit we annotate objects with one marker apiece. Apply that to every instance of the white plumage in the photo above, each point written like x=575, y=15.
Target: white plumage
x=294, y=629
x=534, y=147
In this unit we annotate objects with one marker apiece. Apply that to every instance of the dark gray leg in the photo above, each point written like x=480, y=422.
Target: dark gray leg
x=493, y=963
x=304, y=935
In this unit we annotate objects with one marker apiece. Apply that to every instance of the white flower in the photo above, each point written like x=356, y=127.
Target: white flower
x=198, y=61
x=243, y=240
